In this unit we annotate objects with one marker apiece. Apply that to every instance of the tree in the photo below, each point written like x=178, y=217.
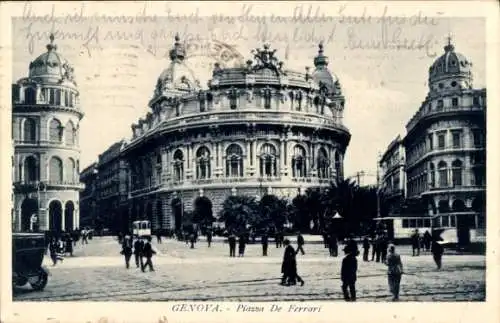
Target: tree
x=239, y=211
x=203, y=213
x=300, y=215
x=273, y=212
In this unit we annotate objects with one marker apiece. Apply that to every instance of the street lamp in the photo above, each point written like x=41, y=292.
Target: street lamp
x=233, y=191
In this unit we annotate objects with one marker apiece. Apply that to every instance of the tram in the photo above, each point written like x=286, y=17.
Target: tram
x=141, y=228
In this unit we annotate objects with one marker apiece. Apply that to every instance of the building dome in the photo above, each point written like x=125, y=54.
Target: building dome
x=450, y=65
x=177, y=78
x=51, y=66
x=323, y=76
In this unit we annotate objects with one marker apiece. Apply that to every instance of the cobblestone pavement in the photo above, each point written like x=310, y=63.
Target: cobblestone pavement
x=97, y=272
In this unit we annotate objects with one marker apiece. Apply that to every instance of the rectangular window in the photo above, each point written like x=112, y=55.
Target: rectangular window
x=267, y=102
x=420, y=223
x=413, y=223
x=475, y=101
x=427, y=223
x=405, y=223
x=445, y=221
x=477, y=137
x=232, y=103
x=441, y=141
x=453, y=221
x=439, y=105
x=454, y=102
x=431, y=141
x=435, y=222
x=457, y=139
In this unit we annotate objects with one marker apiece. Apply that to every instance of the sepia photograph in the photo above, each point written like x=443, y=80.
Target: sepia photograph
x=252, y=155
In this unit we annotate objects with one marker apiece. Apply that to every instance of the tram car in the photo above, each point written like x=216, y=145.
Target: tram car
x=141, y=228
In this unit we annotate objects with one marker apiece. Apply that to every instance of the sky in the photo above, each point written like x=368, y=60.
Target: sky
x=117, y=64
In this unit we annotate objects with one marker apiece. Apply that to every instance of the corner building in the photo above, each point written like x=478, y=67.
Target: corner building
x=257, y=129
x=446, y=151
x=45, y=120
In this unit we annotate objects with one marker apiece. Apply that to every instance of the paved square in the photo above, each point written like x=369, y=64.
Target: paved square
x=97, y=273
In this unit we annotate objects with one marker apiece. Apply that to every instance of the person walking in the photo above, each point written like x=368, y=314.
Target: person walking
x=366, y=248
x=334, y=246
x=394, y=272
x=264, y=240
x=437, y=253
x=415, y=243
x=384, y=245
x=232, y=245
x=138, y=247
x=158, y=237
x=289, y=266
x=84, y=237
x=53, y=251
x=148, y=252
x=378, y=248
x=427, y=241
x=300, y=244
x=209, y=237
x=241, y=245
x=192, y=239
x=127, y=250
x=373, y=242
x=277, y=238
x=348, y=274
x=68, y=245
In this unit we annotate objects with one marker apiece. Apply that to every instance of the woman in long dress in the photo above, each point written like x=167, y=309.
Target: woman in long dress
x=289, y=266
x=394, y=272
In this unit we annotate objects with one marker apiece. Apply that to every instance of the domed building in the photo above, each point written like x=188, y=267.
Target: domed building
x=257, y=129
x=446, y=153
x=46, y=115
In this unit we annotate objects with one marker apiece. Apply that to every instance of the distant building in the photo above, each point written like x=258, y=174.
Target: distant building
x=393, y=181
x=46, y=117
x=112, y=186
x=257, y=129
x=446, y=155
x=89, y=196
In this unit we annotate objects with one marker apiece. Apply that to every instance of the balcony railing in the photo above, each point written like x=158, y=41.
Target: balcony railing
x=425, y=112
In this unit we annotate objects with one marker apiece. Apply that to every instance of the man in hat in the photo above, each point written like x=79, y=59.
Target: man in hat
x=348, y=274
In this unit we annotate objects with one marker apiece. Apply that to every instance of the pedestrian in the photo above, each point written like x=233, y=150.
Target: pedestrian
x=158, y=236
x=427, y=240
x=138, y=247
x=378, y=248
x=53, y=251
x=384, y=245
x=84, y=236
x=148, y=252
x=348, y=275
x=289, y=266
x=209, y=237
x=69, y=245
x=366, y=248
x=241, y=245
x=277, y=238
x=326, y=239
x=333, y=246
x=437, y=253
x=394, y=272
x=415, y=243
x=232, y=245
x=300, y=244
x=374, y=246
x=127, y=250
x=264, y=240
x=192, y=239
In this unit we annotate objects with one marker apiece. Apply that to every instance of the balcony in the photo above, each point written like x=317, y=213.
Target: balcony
x=47, y=185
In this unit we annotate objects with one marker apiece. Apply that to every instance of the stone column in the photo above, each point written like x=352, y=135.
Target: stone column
x=63, y=217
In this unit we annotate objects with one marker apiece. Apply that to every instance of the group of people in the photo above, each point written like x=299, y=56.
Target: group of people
x=61, y=244
x=141, y=248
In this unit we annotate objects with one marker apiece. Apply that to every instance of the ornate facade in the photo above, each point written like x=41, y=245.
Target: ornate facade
x=393, y=188
x=45, y=119
x=257, y=129
x=446, y=150
x=89, y=196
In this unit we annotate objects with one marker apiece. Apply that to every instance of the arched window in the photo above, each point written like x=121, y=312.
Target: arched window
x=267, y=160
x=456, y=172
x=322, y=163
x=234, y=161
x=298, y=99
x=443, y=174
x=31, y=170
x=56, y=131
x=178, y=165
x=70, y=170
x=56, y=170
x=338, y=165
x=30, y=96
x=203, y=163
x=432, y=170
x=299, y=162
x=29, y=130
x=69, y=133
